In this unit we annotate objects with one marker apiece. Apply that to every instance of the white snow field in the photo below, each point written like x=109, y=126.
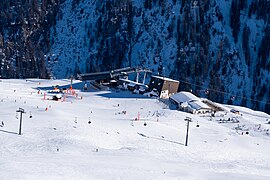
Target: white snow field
x=61, y=143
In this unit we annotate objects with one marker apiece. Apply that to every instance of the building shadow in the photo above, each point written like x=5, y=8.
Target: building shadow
x=75, y=86
x=123, y=94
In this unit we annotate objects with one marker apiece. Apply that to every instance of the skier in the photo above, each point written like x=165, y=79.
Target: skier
x=2, y=124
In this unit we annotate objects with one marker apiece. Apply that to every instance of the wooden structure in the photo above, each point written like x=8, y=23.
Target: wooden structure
x=164, y=86
x=212, y=105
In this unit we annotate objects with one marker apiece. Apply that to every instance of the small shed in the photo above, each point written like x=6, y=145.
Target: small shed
x=164, y=86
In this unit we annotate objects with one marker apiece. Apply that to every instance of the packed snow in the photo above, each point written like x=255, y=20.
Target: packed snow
x=109, y=134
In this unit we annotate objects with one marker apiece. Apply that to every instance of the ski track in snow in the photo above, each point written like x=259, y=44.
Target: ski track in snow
x=61, y=144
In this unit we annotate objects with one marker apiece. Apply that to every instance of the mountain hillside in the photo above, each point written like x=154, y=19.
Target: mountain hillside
x=219, y=49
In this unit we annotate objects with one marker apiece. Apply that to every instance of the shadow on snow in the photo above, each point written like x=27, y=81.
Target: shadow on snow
x=75, y=86
x=161, y=139
x=10, y=132
x=123, y=94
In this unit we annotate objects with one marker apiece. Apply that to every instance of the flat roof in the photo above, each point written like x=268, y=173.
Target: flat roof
x=111, y=73
x=132, y=82
x=165, y=78
x=184, y=97
x=189, y=99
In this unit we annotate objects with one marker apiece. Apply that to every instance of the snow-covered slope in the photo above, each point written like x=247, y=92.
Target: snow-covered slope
x=59, y=142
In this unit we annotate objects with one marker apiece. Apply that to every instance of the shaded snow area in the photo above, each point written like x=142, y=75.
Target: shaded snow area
x=93, y=134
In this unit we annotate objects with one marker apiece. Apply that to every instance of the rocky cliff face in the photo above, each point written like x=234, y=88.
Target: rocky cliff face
x=219, y=49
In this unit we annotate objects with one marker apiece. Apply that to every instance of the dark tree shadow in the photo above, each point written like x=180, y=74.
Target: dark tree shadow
x=122, y=94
